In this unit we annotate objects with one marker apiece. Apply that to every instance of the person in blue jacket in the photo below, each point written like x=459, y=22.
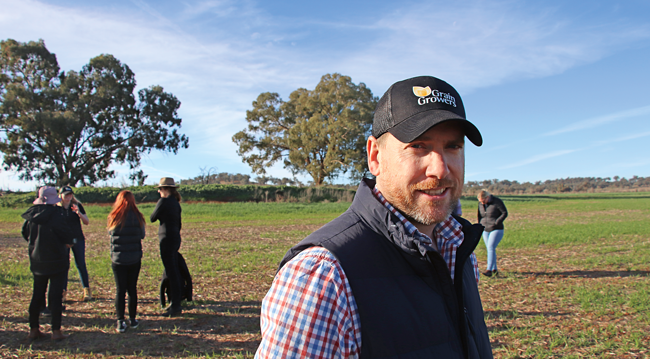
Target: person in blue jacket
x=491, y=214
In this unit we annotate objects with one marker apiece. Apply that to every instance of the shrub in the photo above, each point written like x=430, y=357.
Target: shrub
x=211, y=192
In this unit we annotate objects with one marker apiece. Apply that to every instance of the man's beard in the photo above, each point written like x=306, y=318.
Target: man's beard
x=429, y=212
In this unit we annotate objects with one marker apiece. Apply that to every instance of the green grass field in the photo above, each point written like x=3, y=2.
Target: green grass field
x=573, y=283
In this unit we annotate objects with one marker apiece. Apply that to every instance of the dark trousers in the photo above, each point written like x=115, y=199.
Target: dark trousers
x=126, y=281
x=169, y=255
x=54, y=298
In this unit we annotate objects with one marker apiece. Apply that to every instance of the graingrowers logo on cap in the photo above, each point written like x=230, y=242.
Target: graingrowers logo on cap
x=436, y=96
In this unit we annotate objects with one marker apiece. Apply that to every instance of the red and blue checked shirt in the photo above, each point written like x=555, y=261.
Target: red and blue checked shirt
x=310, y=311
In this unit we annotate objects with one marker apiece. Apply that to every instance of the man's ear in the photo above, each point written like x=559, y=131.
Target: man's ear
x=372, y=148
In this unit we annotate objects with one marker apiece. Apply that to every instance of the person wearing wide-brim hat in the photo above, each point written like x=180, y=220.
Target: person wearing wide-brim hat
x=167, y=182
x=49, y=239
x=168, y=212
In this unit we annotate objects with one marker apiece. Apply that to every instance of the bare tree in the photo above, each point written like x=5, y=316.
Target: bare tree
x=206, y=174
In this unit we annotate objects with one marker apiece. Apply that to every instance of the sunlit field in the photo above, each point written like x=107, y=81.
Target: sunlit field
x=573, y=281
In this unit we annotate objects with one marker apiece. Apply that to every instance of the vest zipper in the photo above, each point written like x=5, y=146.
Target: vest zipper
x=469, y=322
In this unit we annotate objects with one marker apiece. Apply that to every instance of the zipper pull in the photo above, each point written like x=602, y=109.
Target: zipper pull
x=469, y=322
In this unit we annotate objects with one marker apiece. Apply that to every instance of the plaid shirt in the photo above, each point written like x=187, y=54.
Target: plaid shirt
x=310, y=311
x=449, y=236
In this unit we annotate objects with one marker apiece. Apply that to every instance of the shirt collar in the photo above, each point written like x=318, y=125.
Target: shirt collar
x=443, y=232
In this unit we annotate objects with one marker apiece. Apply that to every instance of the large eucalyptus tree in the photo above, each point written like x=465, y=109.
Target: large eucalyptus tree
x=68, y=128
x=321, y=132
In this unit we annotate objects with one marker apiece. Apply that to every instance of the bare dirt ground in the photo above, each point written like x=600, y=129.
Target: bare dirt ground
x=222, y=321
x=533, y=309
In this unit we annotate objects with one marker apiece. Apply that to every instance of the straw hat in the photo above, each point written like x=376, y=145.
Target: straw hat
x=167, y=182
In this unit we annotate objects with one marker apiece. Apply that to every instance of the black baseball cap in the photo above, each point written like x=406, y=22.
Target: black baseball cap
x=411, y=107
x=65, y=189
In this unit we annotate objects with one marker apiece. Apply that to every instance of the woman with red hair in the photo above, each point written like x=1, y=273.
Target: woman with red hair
x=126, y=227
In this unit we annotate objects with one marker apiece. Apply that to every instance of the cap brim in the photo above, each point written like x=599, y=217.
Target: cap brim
x=413, y=127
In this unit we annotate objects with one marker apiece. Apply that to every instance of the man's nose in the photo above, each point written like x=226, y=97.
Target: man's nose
x=437, y=165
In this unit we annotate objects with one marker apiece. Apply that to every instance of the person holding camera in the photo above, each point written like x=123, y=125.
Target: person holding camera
x=75, y=214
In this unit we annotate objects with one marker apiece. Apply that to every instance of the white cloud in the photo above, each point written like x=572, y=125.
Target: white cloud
x=624, y=138
x=549, y=155
x=477, y=45
x=483, y=43
x=537, y=158
x=220, y=8
x=638, y=164
x=601, y=120
x=214, y=81
x=216, y=56
x=469, y=175
x=155, y=172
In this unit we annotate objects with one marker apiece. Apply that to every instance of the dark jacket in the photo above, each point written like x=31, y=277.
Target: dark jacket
x=168, y=212
x=126, y=241
x=407, y=303
x=47, y=233
x=73, y=221
x=492, y=214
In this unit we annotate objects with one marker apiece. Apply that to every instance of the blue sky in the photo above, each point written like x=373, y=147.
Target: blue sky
x=558, y=88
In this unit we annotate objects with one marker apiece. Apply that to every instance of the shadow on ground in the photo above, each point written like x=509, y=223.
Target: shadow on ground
x=207, y=328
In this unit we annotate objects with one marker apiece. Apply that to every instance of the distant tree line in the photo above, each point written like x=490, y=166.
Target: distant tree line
x=471, y=188
x=211, y=176
x=199, y=193
x=562, y=185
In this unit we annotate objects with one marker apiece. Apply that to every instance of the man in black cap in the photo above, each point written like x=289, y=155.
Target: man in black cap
x=395, y=275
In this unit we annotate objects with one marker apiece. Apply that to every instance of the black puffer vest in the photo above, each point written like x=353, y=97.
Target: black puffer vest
x=408, y=305
x=126, y=241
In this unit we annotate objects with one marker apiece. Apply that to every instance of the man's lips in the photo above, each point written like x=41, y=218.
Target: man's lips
x=434, y=192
